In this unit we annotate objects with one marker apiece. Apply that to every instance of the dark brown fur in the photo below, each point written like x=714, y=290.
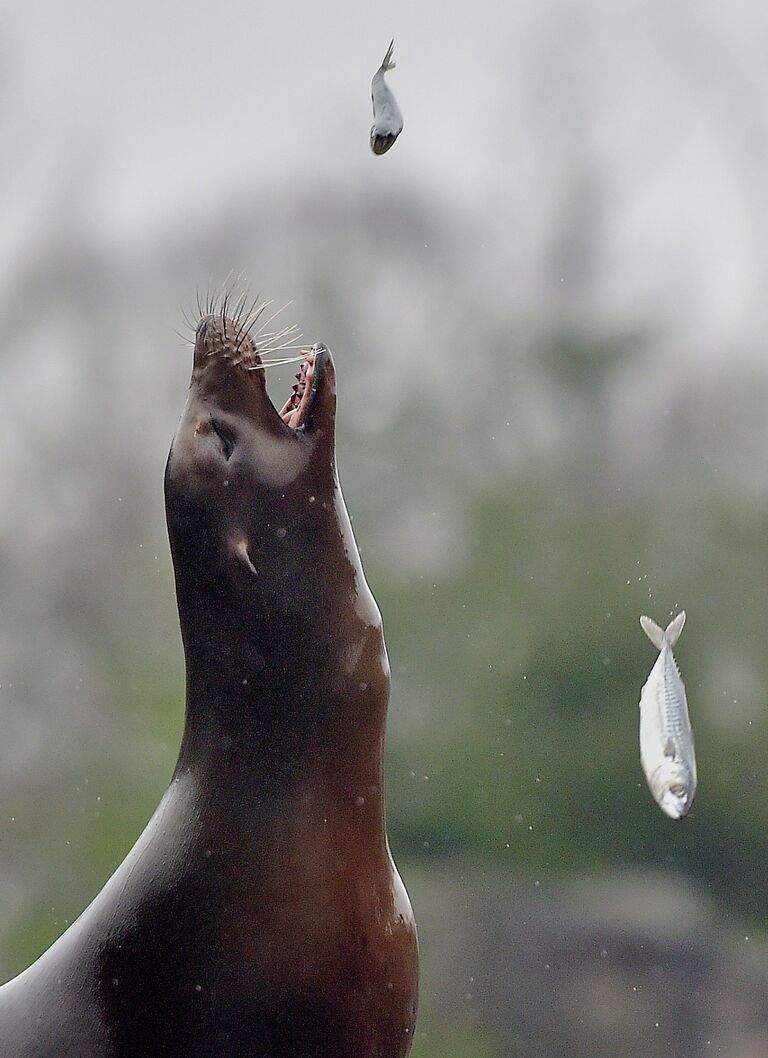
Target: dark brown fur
x=260, y=914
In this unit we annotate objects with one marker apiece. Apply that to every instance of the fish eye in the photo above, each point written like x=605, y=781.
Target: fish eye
x=677, y=790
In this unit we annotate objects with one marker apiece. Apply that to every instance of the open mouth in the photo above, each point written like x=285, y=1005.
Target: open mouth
x=294, y=411
x=220, y=338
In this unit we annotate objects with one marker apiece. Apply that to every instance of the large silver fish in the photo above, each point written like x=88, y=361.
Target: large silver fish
x=387, y=119
x=666, y=739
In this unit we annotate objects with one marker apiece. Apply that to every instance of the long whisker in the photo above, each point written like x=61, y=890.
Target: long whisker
x=272, y=336
x=278, y=363
x=274, y=314
x=246, y=323
x=245, y=334
x=282, y=348
x=184, y=338
x=291, y=335
x=257, y=309
x=272, y=348
x=227, y=283
x=237, y=315
x=254, y=311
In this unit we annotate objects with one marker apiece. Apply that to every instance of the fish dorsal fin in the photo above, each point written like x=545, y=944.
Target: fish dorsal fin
x=669, y=635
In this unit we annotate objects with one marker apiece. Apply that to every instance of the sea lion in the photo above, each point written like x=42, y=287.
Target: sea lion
x=260, y=914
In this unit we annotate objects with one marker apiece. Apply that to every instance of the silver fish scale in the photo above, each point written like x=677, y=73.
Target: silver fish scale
x=673, y=718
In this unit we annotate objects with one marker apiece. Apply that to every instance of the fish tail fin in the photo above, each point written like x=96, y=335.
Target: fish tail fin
x=652, y=630
x=659, y=636
x=388, y=64
x=674, y=628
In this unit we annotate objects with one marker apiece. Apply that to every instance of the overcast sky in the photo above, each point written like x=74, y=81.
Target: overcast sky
x=656, y=113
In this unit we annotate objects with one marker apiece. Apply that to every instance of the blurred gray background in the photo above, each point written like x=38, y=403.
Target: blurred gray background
x=547, y=306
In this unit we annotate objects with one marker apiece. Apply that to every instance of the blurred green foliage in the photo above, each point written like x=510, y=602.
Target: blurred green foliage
x=536, y=660
x=517, y=669
x=455, y=1041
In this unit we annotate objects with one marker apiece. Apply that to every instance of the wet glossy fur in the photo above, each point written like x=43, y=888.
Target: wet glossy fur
x=259, y=915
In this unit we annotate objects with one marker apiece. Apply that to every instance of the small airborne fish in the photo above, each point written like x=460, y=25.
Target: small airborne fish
x=666, y=739
x=387, y=119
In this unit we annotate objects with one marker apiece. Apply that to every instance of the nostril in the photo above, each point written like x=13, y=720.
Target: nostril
x=202, y=327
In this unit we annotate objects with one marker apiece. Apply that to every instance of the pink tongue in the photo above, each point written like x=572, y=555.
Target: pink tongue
x=286, y=408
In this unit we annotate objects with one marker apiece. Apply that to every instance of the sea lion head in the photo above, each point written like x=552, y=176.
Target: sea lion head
x=267, y=571
x=230, y=431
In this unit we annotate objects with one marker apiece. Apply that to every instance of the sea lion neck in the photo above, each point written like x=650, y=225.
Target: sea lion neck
x=281, y=633
x=287, y=666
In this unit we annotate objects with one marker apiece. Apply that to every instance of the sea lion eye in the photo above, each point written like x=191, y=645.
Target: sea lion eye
x=226, y=438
